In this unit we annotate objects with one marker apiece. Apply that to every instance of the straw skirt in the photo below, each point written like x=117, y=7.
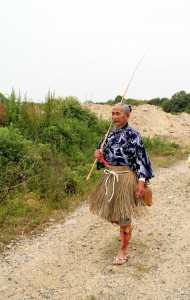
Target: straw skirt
x=114, y=196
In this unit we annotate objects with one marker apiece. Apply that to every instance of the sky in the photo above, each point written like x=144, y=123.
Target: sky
x=89, y=49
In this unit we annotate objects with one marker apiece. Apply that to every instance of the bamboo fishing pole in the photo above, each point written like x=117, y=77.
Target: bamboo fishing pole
x=105, y=138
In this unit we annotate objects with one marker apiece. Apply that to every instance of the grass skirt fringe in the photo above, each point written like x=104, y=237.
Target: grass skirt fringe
x=116, y=201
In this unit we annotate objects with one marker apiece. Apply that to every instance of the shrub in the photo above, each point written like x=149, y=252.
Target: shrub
x=160, y=147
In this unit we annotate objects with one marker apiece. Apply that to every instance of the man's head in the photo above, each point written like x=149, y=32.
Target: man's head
x=120, y=115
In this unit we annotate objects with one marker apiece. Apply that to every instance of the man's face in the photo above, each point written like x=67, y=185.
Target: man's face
x=119, y=117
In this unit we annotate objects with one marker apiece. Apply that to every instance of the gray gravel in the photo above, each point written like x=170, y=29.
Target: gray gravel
x=72, y=260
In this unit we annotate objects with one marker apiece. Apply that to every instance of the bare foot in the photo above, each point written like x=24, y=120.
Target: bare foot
x=121, y=257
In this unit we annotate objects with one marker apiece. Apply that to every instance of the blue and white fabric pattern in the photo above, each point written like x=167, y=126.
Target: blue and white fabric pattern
x=126, y=148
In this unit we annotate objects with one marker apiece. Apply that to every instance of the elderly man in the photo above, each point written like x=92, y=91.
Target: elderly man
x=119, y=194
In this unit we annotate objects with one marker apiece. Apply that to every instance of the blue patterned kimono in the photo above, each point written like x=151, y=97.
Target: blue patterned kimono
x=125, y=148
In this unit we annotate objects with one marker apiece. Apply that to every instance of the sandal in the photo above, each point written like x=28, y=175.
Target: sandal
x=120, y=260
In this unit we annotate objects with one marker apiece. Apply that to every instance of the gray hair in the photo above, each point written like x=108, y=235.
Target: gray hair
x=126, y=108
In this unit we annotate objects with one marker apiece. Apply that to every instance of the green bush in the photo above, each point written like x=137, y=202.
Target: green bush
x=12, y=145
x=19, y=160
x=160, y=147
x=180, y=102
x=46, y=148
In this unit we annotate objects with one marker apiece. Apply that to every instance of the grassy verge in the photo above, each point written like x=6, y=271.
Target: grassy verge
x=30, y=214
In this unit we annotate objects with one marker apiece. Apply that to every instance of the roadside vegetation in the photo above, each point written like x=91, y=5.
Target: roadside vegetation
x=46, y=152
x=179, y=102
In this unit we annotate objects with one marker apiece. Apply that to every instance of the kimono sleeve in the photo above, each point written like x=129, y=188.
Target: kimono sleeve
x=143, y=164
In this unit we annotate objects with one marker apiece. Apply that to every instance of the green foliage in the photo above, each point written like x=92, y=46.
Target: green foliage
x=166, y=105
x=118, y=99
x=180, y=102
x=20, y=215
x=12, y=108
x=134, y=102
x=129, y=101
x=157, y=101
x=110, y=102
x=160, y=147
x=45, y=148
x=29, y=120
x=19, y=160
x=3, y=99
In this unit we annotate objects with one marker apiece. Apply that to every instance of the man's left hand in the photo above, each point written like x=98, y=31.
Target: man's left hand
x=140, y=189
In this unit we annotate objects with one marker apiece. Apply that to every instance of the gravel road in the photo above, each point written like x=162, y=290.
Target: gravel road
x=73, y=260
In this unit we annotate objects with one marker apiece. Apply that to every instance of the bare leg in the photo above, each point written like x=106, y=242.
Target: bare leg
x=125, y=235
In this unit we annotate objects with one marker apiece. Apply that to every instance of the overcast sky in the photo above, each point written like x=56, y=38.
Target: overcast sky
x=90, y=48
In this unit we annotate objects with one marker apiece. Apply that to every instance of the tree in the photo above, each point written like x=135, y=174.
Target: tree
x=155, y=101
x=180, y=102
x=166, y=105
x=178, y=95
x=118, y=99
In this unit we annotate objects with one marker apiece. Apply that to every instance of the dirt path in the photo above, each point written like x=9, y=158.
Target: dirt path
x=72, y=260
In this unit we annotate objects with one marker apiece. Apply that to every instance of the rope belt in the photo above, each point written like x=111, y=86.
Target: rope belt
x=115, y=178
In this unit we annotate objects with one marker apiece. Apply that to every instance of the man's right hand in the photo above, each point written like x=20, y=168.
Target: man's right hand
x=98, y=153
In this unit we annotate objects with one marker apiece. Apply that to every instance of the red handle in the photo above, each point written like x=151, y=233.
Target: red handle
x=104, y=161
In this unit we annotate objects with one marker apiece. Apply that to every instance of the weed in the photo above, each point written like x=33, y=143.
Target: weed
x=91, y=297
x=141, y=269
x=139, y=246
x=111, y=271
